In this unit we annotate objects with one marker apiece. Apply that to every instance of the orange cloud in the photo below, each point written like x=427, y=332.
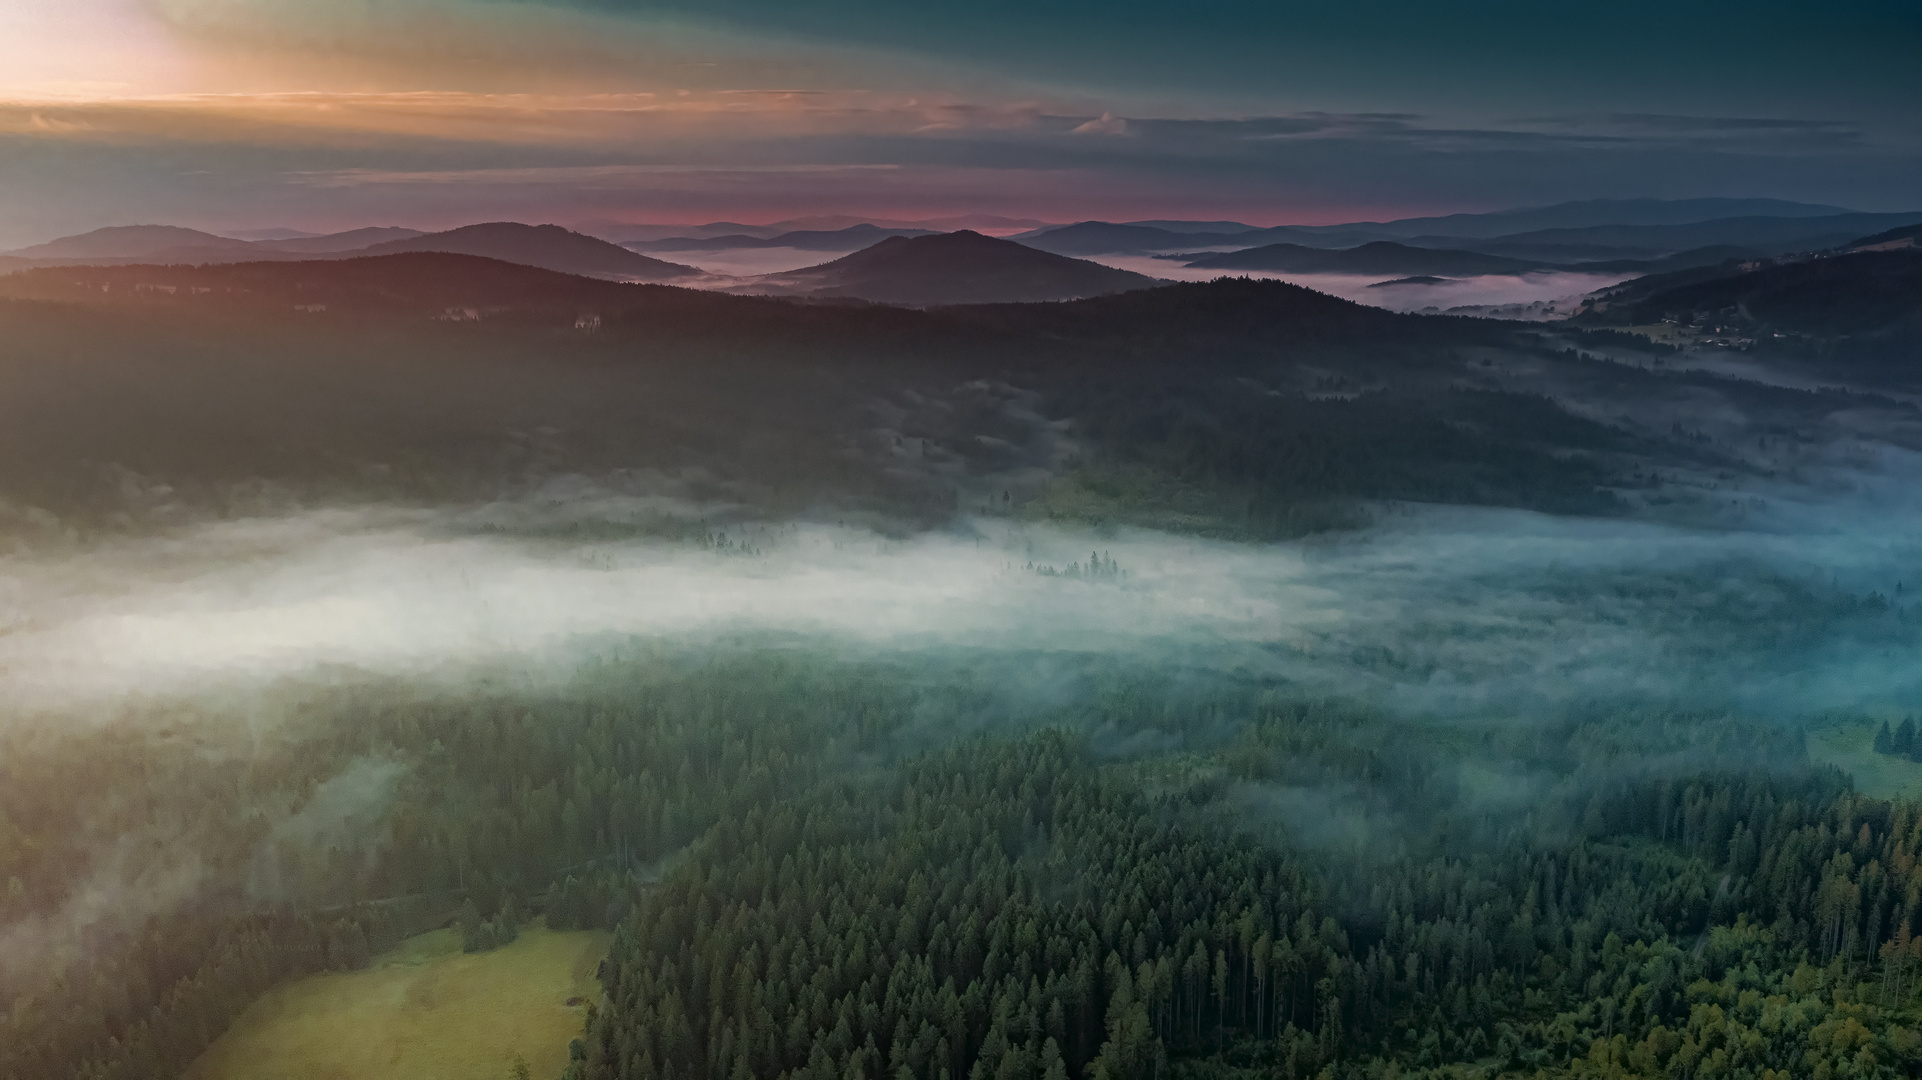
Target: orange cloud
x=590, y=120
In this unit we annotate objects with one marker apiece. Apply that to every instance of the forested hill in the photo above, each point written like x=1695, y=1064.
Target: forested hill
x=954, y=268
x=438, y=286
x=1238, y=408
x=1859, y=293
x=419, y=376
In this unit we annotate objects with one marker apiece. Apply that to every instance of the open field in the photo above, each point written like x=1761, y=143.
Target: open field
x=424, y=1011
x=1851, y=748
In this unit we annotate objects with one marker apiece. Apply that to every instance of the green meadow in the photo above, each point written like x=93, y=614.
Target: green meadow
x=425, y=1011
x=1850, y=746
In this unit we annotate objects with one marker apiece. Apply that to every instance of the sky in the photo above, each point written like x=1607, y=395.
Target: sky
x=322, y=114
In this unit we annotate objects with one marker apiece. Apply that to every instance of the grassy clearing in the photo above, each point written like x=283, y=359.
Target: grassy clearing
x=424, y=1011
x=1851, y=748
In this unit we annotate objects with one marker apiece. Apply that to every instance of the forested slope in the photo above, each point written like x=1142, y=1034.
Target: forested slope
x=139, y=396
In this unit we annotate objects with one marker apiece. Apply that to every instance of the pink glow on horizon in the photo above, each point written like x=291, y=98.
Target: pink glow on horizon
x=1052, y=211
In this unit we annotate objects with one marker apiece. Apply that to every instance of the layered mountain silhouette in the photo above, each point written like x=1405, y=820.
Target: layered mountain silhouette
x=1451, y=230
x=423, y=284
x=1379, y=257
x=853, y=238
x=351, y=240
x=1102, y=237
x=1623, y=237
x=1583, y=214
x=632, y=233
x=1768, y=235
x=953, y=268
x=133, y=242
x=548, y=247
x=1866, y=304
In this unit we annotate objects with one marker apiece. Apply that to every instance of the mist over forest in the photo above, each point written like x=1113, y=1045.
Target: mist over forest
x=1213, y=679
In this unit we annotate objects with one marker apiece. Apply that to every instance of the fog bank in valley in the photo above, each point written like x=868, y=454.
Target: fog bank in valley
x=1448, y=609
x=1563, y=289
x=1500, y=625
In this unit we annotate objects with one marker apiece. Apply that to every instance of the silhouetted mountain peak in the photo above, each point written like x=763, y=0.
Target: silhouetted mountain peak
x=962, y=267
x=129, y=242
x=549, y=247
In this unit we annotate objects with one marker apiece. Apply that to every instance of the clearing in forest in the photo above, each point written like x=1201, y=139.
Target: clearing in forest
x=425, y=1011
x=1850, y=746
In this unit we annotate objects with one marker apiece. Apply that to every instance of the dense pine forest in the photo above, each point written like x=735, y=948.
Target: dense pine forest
x=817, y=865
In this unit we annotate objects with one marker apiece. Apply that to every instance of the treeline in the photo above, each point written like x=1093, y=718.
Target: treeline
x=1900, y=742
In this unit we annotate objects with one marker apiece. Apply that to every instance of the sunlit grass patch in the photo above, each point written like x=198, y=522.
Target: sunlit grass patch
x=1850, y=746
x=424, y=1011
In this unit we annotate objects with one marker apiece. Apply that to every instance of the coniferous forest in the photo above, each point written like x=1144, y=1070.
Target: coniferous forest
x=811, y=872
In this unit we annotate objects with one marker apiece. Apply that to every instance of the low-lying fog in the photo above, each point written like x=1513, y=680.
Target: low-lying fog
x=1562, y=289
x=1447, y=609
x=1439, y=614
x=1545, y=295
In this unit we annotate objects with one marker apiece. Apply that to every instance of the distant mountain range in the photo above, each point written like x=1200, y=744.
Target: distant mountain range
x=1577, y=215
x=624, y=232
x=1767, y=235
x=1569, y=233
x=1867, y=292
x=549, y=247
x=953, y=268
x=1503, y=222
x=853, y=238
x=1622, y=237
x=132, y=242
x=1103, y=238
x=912, y=271
x=352, y=240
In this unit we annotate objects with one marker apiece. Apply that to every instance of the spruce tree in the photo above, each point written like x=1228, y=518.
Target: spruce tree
x=470, y=926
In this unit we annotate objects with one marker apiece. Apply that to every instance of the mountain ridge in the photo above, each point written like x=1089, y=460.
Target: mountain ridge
x=962, y=267
x=129, y=241
x=853, y=238
x=547, y=247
